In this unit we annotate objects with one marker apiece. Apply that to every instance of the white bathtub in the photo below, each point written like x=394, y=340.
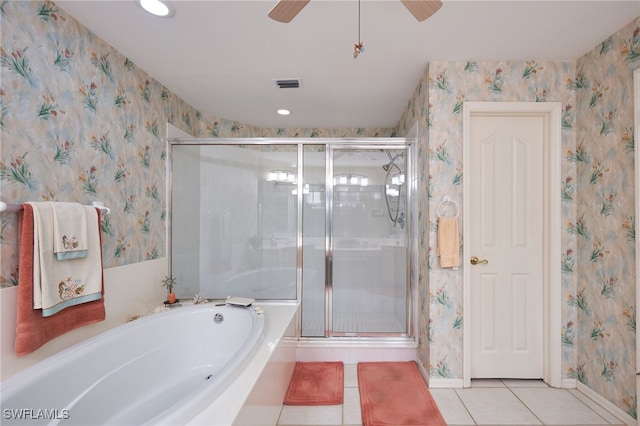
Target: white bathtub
x=161, y=369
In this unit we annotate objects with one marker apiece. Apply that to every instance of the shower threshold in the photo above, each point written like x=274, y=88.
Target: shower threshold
x=359, y=341
x=352, y=350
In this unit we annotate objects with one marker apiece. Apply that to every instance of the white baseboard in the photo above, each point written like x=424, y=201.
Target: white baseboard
x=569, y=383
x=627, y=419
x=436, y=383
x=423, y=372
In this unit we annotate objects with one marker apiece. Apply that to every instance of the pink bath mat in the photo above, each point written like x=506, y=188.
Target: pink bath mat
x=394, y=393
x=316, y=383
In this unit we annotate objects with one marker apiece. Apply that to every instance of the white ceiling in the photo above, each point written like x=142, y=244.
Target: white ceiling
x=222, y=56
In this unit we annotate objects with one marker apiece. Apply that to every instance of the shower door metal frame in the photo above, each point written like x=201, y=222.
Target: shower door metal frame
x=330, y=144
x=411, y=287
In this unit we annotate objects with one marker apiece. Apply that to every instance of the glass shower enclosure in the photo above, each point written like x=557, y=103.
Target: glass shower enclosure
x=322, y=222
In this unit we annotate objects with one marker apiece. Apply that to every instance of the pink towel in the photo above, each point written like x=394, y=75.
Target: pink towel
x=32, y=329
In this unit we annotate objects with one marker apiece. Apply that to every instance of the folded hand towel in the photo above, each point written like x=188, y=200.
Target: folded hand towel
x=69, y=230
x=448, y=242
x=32, y=329
x=59, y=285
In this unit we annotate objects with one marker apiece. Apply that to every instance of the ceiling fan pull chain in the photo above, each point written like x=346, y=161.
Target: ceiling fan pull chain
x=358, y=48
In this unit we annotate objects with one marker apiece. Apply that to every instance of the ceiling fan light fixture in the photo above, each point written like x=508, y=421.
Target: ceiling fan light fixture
x=157, y=8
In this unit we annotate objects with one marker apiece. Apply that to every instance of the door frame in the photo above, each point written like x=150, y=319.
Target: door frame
x=552, y=226
x=636, y=91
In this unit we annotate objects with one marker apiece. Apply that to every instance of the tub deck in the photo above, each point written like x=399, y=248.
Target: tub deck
x=256, y=396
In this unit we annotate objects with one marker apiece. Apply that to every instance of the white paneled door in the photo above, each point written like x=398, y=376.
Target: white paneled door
x=505, y=178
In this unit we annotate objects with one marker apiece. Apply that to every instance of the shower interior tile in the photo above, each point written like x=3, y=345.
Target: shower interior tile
x=558, y=407
x=316, y=415
x=451, y=407
x=496, y=406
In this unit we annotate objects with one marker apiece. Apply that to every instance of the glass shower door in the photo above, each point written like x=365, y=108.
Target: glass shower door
x=369, y=252
x=234, y=221
x=319, y=222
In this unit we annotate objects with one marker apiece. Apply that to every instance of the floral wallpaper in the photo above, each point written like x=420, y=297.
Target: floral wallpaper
x=598, y=277
x=415, y=111
x=605, y=222
x=450, y=85
x=81, y=122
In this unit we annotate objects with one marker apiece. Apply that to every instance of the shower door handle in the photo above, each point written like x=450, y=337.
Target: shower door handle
x=475, y=261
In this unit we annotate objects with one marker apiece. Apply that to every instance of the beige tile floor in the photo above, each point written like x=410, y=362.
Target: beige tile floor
x=486, y=402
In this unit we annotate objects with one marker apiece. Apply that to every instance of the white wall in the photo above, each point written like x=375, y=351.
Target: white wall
x=129, y=290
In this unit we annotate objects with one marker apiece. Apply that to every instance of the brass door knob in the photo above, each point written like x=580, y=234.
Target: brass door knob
x=474, y=261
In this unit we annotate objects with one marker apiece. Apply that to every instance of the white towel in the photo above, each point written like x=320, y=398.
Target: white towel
x=69, y=230
x=59, y=285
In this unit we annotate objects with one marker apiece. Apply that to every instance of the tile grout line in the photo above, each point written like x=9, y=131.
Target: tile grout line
x=562, y=389
x=465, y=406
x=589, y=407
x=523, y=403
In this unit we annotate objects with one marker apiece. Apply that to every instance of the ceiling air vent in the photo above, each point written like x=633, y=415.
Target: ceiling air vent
x=288, y=83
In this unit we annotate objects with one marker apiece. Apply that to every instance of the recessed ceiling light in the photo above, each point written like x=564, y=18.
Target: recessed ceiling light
x=283, y=111
x=157, y=8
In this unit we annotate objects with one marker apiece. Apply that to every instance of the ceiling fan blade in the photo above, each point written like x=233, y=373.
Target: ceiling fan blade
x=286, y=10
x=422, y=9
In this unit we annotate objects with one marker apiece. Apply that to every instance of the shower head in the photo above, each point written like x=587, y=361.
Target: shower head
x=392, y=162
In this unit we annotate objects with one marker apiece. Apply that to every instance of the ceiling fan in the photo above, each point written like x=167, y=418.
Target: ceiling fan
x=286, y=10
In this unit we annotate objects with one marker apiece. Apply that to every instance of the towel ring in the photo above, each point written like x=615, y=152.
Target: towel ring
x=447, y=201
